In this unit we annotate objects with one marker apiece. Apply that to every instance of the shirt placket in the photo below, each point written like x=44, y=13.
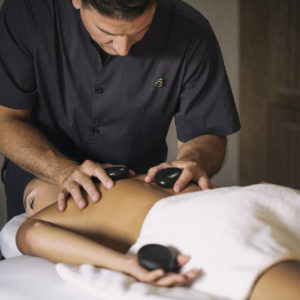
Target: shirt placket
x=96, y=111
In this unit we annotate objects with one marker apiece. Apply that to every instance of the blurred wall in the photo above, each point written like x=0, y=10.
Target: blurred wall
x=224, y=18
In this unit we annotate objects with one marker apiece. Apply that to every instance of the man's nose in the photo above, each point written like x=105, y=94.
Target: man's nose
x=122, y=45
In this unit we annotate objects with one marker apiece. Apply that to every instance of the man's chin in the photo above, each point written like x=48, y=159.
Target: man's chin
x=109, y=51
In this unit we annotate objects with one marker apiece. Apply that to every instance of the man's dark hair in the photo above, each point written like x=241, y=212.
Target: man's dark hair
x=121, y=9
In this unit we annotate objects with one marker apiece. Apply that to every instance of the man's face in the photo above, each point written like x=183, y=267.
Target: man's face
x=115, y=36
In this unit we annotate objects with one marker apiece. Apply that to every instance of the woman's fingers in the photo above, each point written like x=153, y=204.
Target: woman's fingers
x=193, y=273
x=136, y=270
x=159, y=277
x=172, y=279
x=175, y=279
x=178, y=279
x=155, y=275
x=182, y=259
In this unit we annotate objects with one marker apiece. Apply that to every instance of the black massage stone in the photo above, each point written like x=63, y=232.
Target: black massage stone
x=116, y=173
x=154, y=256
x=167, y=177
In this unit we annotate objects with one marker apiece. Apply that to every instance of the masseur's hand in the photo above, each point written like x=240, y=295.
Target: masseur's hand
x=191, y=171
x=80, y=179
x=159, y=277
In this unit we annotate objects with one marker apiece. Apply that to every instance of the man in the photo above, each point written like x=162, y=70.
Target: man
x=89, y=82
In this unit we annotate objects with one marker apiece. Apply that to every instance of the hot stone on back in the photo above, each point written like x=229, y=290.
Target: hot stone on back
x=116, y=173
x=167, y=177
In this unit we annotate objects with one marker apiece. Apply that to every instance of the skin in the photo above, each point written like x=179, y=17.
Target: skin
x=280, y=282
x=199, y=158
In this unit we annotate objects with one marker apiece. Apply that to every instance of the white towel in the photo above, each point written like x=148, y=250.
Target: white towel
x=117, y=286
x=232, y=234
x=8, y=234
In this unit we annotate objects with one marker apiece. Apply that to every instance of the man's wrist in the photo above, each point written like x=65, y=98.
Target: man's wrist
x=207, y=151
x=189, y=152
x=193, y=157
x=66, y=168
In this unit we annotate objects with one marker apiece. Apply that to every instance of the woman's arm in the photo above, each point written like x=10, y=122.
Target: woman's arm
x=40, y=238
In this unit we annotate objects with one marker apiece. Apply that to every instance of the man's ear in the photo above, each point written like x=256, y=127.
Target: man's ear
x=76, y=4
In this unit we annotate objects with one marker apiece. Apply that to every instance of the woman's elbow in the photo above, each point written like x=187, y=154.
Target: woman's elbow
x=27, y=237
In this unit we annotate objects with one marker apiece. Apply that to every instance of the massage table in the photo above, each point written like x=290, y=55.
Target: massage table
x=238, y=232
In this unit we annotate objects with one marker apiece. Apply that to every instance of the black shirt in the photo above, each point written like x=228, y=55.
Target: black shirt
x=118, y=109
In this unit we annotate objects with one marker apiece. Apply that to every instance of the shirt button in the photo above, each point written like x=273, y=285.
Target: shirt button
x=95, y=131
x=99, y=90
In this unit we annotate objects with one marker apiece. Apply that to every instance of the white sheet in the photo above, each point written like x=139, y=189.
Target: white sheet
x=33, y=278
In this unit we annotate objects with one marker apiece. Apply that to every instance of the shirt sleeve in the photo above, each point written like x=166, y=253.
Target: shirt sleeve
x=206, y=104
x=17, y=79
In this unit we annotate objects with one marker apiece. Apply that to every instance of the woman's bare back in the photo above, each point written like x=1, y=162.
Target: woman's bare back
x=115, y=221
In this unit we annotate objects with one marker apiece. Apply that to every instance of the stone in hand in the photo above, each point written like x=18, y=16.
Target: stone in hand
x=154, y=256
x=167, y=177
x=116, y=173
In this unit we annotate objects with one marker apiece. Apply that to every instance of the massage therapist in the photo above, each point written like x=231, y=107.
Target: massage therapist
x=86, y=84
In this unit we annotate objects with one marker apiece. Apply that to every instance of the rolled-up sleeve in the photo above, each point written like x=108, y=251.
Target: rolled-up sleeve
x=17, y=78
x=206, y=103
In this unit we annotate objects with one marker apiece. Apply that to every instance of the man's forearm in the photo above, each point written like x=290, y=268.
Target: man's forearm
x=27, y=147
x=208, y=151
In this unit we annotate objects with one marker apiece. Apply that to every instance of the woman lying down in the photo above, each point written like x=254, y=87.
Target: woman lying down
x=242, y=242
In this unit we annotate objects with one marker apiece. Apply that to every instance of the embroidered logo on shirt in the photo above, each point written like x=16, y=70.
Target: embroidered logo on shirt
x=160, y=83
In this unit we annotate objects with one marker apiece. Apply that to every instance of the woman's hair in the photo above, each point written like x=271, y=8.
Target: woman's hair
x=122, y=9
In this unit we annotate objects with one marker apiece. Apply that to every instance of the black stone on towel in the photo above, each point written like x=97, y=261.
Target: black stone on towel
x=116, y=173
x=154, y=256
x=167, y=177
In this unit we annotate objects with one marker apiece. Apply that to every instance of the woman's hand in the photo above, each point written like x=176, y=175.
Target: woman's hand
x=159, y=277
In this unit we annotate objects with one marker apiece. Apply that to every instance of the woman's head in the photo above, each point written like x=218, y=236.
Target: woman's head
x=39, y=194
